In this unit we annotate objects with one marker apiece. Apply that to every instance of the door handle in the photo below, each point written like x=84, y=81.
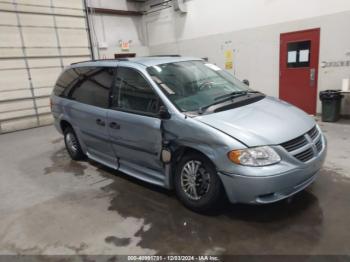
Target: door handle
x=312, y=76
x=100, y=122
x=114, y=125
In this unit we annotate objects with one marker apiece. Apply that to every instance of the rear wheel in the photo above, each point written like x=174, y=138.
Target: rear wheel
x=72, y=144
x=197, y=184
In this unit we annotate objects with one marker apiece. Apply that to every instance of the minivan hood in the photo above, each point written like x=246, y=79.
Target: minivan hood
x=267, y=122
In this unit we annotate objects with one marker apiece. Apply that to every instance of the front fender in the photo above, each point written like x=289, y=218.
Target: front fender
x=187, y=133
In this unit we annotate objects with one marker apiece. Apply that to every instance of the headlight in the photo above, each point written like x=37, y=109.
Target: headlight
x=258, y=156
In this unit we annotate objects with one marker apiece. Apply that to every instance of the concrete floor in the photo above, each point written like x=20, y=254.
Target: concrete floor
x=52, y=205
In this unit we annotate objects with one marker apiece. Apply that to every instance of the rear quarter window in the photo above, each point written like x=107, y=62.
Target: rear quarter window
x=66, y=82
x=93, y=86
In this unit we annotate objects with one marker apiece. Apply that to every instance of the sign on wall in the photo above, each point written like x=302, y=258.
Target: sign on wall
x=229, y=59
x=125, y=45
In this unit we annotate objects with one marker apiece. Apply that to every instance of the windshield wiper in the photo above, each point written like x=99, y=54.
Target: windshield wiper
x=236, y=94
x=224, y=98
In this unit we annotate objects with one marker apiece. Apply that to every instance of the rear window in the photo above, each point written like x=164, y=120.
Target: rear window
x=66, y=82
x=93, y=86
x=88, y=85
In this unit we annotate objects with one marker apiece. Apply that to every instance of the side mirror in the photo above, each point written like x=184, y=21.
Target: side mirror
x=163, y=113
x=246, y=82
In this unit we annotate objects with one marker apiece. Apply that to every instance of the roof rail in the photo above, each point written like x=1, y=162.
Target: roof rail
x=164, y=56
x=99, y=60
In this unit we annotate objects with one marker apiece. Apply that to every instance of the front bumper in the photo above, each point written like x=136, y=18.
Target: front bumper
x=281, y=184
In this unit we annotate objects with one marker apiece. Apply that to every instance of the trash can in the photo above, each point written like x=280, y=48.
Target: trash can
x=331, y=102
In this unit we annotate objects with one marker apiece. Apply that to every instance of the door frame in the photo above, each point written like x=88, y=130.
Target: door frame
x=108, y=160
x=122, y=112
x=315, y=30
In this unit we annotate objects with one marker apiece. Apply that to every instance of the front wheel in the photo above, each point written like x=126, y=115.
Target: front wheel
x=197, y=184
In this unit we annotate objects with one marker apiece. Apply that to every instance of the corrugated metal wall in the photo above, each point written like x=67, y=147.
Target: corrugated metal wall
x=37, y=39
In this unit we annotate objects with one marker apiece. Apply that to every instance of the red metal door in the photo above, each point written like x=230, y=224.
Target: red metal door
x=299, y=54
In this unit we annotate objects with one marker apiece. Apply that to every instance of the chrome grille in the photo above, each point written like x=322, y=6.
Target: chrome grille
x=311, y=141
x=305, y=155
x=319, y=145
x=295, y=143
x=313, y=133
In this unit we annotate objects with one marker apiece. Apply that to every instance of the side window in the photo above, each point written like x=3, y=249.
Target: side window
x=133, y=93
x=93, y=86
x=65, y=83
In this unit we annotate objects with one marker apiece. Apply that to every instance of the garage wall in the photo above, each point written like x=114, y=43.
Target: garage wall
x=109, y=29
x=37, y=39
x=252, y=29
x=208, y=17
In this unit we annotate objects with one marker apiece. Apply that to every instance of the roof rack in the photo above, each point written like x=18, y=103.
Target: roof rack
x=99, y=60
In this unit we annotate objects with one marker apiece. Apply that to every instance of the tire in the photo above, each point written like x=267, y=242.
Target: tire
x=208, y=197
x=72, y=144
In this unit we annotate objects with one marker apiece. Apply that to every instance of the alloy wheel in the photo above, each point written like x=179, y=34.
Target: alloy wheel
x=195, y=180
x=72, y=143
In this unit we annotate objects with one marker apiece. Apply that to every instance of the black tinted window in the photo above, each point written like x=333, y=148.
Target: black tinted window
x=133, y=93
x=93, y=86
x=65, y=83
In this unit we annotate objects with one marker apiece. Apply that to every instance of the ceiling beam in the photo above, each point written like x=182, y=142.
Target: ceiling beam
x=108, y=11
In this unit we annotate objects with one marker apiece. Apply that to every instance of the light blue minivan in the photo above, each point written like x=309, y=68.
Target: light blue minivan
x=185, y=124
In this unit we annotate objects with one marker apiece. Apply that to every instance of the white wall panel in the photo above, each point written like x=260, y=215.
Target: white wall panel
x=66, y=51
x=10, y=52
x=12, y=63
x=68, y=61
x=17, y=114
x=42, y=52
x=16, y=94
x=7, y=6
x=18, y=124
x=42, y=102
x=8, y=18
x=36, y=20
x=37, y=39
x=32, y=8
x=44, y=110
x=44, y=91
x=42, y=62
x=45, y=119
x=69, y=3
x=73, y=37
x=45, y=76
x=9, y=37
x=63, y=21
x=33, y=2
x=13, y=79
x=63, y=11
x=16, y=105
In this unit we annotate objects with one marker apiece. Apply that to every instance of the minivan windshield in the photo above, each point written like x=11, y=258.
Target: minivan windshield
x=194, y=85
